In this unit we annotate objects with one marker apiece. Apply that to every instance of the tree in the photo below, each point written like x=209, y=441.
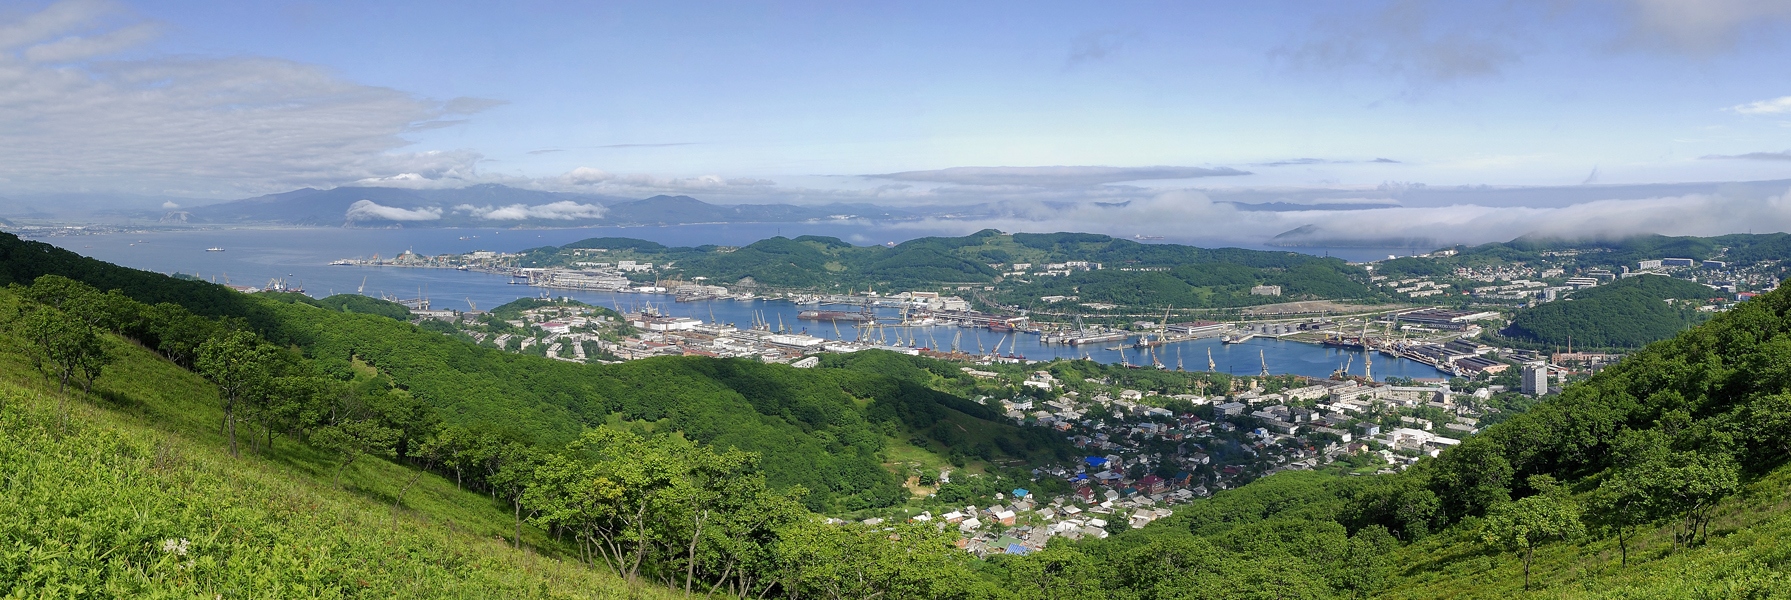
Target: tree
x=238, y=363
x=428, y=451
x=1472, y=476
x=1620, y=505
x=705, y=480
x=512, y=471
x=1059, y=572
x=1691, y=489
x=67, y=347
x=750, y=518
x=639, y=472
x=354, y=439
x=561, y=494
x=1654, y=482
x=1767, y=427
x=868, y=562
x=1524, y=525
x=1626, y=499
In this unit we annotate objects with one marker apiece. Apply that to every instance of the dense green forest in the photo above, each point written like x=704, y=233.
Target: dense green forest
x=1609, y=253
x=1661, y=476
x=1132, y=273
x=1628, y=313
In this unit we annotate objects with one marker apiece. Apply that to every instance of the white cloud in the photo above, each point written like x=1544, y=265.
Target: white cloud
x=1429, y=42
x=585, y=177
x=1779, y=105
x=236, y=124
x=1777, y=156
x=76, y=48
x=368, y=210
x=1192, y=216
x=170, y=205
x=1695, y=214
x=566, y=210
x=1703, y=26
x=1055, y=175
x=53, y=21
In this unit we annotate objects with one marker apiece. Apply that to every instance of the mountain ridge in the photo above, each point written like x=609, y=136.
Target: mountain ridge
x=495, y=204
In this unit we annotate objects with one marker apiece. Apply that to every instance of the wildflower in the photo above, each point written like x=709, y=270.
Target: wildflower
x=174, y=546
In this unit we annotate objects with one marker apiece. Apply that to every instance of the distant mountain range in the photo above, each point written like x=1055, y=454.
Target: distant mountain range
x=492, y=204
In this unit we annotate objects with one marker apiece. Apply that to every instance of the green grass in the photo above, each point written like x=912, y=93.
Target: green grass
x=1748, y=556
x=98, y=491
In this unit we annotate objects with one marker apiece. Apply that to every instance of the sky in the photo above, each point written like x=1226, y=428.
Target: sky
x=1035, y=104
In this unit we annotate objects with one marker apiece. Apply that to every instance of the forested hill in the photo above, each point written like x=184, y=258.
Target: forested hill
x=1628, y=313
x=1609, y=253
x=1129, y=273
x=282, y=443
x=1664, y=476
x=824, y=430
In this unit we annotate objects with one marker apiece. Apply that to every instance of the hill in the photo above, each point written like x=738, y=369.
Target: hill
x=1676, y=457
x=130, y=492
x=821, y=429
x=1613, y=253
x=1089, y=267
x=1662, y=476
x=1628, y=313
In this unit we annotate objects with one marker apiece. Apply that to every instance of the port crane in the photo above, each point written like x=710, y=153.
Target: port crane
x=1367, y=353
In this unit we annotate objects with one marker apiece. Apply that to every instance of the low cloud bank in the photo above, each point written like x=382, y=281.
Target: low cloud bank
x=1193, y=216
x=564, y=210
x=368, y=210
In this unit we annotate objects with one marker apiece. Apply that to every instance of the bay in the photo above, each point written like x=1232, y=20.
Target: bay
x=301, y=257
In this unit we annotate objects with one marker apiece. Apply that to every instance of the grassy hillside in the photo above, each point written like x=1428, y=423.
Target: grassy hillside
x=822, y=429
x=128, y=492
x=1628, y=313
x=1748, y=556
x=1677, y=457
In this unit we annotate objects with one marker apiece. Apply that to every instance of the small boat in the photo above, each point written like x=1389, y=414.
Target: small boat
x=211, y=249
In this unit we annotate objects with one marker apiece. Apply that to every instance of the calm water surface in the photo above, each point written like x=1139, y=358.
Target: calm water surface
x=301, y=256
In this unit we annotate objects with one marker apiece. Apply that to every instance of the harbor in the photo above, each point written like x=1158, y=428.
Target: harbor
x=742, y=322
x=251, y=259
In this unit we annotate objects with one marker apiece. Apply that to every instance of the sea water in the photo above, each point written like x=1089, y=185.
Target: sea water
x=301, y=257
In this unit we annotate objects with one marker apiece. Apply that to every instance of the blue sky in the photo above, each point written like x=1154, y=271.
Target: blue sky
x=800, y=101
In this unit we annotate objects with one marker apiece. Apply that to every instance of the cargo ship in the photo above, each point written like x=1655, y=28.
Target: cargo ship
x=835, y=315
x=1096, y=338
